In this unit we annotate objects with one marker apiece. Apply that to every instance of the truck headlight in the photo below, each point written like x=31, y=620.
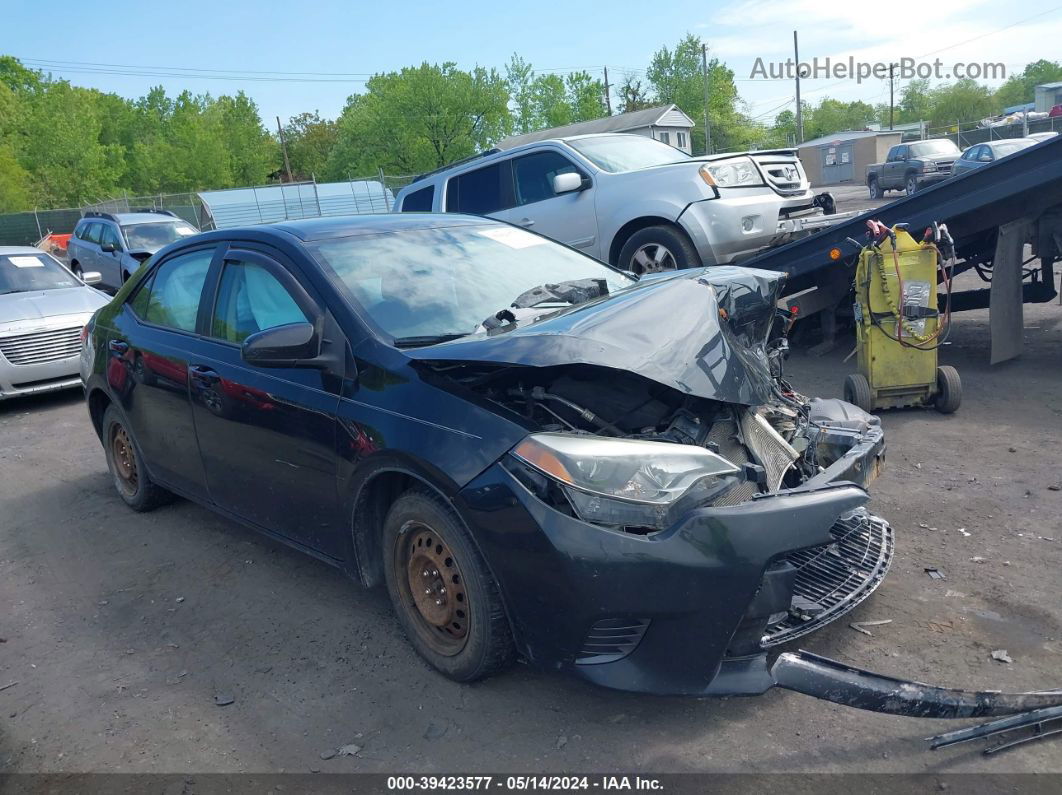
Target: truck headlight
x=627, y=481
x=740, y=172
x=929, y=165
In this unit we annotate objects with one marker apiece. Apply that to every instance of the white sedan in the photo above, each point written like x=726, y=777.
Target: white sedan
x=43, y=308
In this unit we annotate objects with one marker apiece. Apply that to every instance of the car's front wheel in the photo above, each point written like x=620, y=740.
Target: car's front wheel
x=875, y=189
x=656, y=249
x=126, y=465
x=445, y=597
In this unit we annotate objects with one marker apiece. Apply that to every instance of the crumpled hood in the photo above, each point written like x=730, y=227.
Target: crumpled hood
x=700, y=331
x=39, y=304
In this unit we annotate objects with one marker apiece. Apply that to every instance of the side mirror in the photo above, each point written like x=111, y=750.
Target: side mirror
x=291, y=345
x=108, y=248
x=566, y=183
x=92, y=277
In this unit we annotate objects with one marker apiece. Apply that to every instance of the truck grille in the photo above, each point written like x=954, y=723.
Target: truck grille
x=834, y=578
x=42, y=346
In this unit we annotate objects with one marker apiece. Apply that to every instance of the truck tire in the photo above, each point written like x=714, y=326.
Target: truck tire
x=911, y=184
x=656, y=249
x=857, y=391
x=875, y=188
x=949, y=389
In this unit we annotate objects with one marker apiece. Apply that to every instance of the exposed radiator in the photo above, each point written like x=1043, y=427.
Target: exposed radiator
x=770, y=450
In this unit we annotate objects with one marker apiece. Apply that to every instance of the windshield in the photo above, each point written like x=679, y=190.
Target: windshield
x=615, y=153
x=153, y=236
x=438, y=282
x=944, y=146
x=24, y=273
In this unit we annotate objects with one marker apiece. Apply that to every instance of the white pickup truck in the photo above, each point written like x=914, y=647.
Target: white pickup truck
x=632, y=201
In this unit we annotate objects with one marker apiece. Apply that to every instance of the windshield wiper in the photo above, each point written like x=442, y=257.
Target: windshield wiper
x=426, y=339
x=574, y=291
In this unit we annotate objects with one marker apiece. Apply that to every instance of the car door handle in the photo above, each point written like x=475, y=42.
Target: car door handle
x=526, y=222
x=118, y=346
x=203, y=373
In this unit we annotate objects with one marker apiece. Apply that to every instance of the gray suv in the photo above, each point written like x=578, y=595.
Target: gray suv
x=115, y=244
x=633, y=201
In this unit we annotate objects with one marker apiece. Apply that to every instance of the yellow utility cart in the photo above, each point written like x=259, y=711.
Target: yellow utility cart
x=898, y=325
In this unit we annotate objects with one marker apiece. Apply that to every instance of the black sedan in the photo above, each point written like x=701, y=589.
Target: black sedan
x=539, y=455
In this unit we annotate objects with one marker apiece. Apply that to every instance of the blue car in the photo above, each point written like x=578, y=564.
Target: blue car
x=981, y=155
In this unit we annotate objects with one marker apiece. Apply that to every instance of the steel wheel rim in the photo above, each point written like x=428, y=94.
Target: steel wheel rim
x=433, y=588
x=653, y=258
x=122, y=454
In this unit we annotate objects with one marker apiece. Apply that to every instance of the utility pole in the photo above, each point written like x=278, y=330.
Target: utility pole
x=892, y=69
x=799, y=108
x=284, y=149
x=707, y=128
x=608, y=99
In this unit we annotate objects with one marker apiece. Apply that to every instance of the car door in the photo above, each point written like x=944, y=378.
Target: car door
x=110, y=262
x=147, y=369
x=567, y=217
x=89, y=250
x=894, y=168
x=266, y=436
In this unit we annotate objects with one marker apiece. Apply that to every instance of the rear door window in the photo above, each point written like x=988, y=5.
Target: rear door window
x=419, y=201
x=485, y=190
x=173, y=295
x=533, y=175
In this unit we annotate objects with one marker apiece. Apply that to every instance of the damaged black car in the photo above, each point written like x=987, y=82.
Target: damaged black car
x=540, y=456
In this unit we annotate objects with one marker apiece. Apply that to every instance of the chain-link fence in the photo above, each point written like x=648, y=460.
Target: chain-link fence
x=966, y=134
x=258, y=204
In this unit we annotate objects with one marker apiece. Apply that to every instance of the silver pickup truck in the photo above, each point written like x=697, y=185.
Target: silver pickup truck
x=632, y=201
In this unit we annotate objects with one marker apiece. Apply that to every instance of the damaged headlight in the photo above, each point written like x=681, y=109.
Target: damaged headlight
x=740, y=172
x=626, y=482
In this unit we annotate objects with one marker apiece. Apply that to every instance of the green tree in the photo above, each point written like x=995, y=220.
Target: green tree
x=252, y=152
x=419, y=118
x=310, y=140
x=962, y=101
x=832, y=115
x=549, y=99
x=586, y=96
x=676, y=76
x=518, y=78
x=1019, y=89
x=632, y=96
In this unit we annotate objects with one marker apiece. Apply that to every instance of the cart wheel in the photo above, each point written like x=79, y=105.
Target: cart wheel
x=949, y=389
x=857, y=391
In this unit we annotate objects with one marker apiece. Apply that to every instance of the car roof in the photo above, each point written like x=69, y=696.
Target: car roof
x=127, y=219
x=310, y=229
x=16, y=250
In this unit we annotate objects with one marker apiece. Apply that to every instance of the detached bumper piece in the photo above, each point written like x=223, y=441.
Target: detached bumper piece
x=832, y=579
x=1042, y=723
x=830, y=680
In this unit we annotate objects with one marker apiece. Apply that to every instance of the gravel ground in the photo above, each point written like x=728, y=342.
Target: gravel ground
x=122, y=631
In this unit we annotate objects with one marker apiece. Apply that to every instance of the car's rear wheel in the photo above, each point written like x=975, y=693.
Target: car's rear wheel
x=656, y=249
x=126, y=465
x=445, y=597
x=911, y=185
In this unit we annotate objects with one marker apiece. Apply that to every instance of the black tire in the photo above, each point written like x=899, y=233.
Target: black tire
x=857, y=391
x=672, y=239
x=949, y=389
x=911, y=184
x=482, y=643
x=126, y=465
x=875, y=188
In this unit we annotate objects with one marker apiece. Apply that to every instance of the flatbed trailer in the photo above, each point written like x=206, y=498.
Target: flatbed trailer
x=992, y=213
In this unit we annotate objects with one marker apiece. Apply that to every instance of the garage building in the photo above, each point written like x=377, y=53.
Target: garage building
x=844, y=156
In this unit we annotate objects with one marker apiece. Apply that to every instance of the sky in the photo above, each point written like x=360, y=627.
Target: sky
x=311, y=55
